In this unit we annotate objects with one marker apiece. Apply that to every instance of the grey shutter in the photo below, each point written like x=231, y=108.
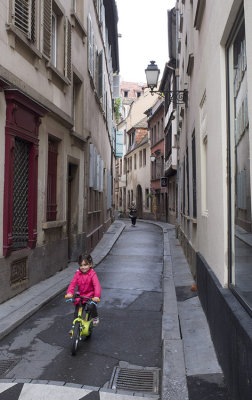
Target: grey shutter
x=47, y=27
x=91, y=165
x=101, y=175
x=116, y=86
x=22, y=15
x=68, y=49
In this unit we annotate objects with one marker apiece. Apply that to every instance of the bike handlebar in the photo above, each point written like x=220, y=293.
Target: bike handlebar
x=78, y=296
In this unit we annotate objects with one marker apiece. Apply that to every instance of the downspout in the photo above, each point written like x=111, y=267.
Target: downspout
x=177, y=122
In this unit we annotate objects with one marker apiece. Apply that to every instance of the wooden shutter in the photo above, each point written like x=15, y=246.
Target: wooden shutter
x=68, y=49
x=47, y=27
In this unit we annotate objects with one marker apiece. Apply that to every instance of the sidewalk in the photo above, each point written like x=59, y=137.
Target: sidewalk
x=189, y=359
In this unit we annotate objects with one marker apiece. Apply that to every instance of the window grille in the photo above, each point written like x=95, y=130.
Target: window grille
x=20, y=195
x=52, y=181
x=23, y=14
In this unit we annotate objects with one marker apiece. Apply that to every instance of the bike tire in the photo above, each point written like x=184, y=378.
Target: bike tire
x=75, y=338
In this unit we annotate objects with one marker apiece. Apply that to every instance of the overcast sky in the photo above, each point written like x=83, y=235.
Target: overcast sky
x=143, y=26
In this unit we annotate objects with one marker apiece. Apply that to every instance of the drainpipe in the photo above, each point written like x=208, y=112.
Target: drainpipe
x=177, y=119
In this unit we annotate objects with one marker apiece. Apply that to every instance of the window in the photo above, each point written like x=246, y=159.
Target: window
x=76, y=103
x=125, y=93
x=21, y=172
x=144, y=157
x=147, y=198
x=138, y=94
x=204, y=161
x=194, y=183
x=55, y=29
x=140, y=159
x=135, y=161
x=239, y=142
x=74, y=6
x=51, y=209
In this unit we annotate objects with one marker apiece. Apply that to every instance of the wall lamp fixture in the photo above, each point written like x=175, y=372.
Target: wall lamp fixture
x=152, y=73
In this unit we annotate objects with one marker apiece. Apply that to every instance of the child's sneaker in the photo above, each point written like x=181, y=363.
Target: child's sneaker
x=96, y=321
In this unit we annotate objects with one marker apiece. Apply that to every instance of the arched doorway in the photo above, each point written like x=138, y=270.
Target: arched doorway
x=139, y=202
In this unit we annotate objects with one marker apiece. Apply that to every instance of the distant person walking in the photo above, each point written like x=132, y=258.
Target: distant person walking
x=133, y=213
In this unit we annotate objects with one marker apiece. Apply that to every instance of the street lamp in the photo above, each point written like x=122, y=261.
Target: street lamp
x=152, y=157
x=152, y=74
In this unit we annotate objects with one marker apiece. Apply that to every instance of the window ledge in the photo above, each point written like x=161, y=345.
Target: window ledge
x=75, y=21
x=16, y=33
x=94, y=212
x=56, y=72
x=53, y=224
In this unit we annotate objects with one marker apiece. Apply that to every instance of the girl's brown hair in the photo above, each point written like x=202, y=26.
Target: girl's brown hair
x=87, y=258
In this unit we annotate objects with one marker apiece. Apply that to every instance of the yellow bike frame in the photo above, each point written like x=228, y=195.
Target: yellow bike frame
x=85, y=325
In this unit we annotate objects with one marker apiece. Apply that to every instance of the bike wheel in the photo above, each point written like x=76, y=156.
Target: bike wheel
x=75, y=338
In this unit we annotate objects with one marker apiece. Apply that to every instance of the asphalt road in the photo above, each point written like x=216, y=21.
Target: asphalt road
x=130, y=320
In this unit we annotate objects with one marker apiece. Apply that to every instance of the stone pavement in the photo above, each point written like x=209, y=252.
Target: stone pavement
x=189, y=364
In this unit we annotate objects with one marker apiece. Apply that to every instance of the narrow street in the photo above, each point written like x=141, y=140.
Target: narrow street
x=130, y=321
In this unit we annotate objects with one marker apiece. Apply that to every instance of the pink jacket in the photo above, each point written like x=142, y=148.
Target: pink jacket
x=88, y=284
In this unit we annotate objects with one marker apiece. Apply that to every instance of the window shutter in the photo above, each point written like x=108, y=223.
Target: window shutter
x=98, y=163
x=108, y=189
x=103, y=23
x=100, y=74
x=116, y=86
x=91, y=165
x=47, y=27
x=68, y=48
x=23, y=17
x=101, y=175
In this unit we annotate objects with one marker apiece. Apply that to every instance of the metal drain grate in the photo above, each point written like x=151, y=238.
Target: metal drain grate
x=136, y=380
x=6, y=366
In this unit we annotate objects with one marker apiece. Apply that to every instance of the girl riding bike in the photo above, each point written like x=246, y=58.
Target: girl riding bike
x=88, y=285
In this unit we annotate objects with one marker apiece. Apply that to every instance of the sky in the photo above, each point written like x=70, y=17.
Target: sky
x=144, y=29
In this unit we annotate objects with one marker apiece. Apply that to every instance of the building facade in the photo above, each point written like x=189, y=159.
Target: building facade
x=159, y=189
x=134, y=165
x=56, y=123
x=214, y=61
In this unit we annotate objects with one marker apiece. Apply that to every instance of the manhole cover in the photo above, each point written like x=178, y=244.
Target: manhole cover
x=6, y=366
x=136, y=380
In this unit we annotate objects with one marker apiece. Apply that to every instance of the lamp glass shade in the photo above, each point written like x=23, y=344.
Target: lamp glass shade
x=152, y=73
x=152, y=158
